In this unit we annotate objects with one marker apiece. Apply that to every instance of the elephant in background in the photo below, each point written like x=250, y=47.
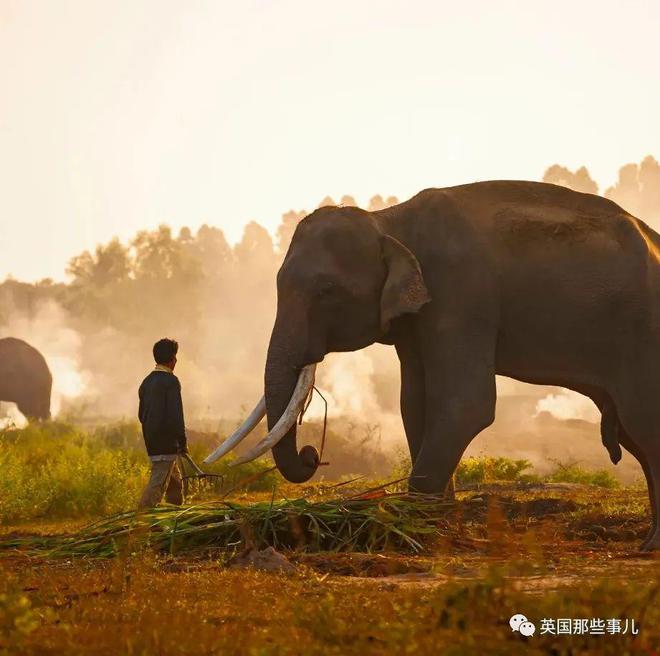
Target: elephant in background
x=527, y=280
x=25, y=378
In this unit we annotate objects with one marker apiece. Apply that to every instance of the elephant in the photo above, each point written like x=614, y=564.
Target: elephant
x=528, y=280
x=25, y=378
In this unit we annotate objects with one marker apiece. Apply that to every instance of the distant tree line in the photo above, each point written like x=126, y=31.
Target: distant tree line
x=217, y=299
x=637, y=189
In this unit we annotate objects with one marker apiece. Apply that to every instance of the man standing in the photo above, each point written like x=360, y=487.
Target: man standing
x=163, y=427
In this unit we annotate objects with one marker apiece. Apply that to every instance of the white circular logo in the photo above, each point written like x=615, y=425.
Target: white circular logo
x=527, y=629
x=516, y=621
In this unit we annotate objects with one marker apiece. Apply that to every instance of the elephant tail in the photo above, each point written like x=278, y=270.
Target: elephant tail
x=610, y=428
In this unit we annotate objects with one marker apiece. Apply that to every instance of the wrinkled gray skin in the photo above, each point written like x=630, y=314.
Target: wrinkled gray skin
x=25, y=378
x=523, y=279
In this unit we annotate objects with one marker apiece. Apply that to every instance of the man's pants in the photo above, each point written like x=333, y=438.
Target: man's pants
x=165, y=479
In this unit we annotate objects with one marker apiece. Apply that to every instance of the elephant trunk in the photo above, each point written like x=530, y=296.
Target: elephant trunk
x=281, y=377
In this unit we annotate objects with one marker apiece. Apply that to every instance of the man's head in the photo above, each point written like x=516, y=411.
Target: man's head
x=165, y=351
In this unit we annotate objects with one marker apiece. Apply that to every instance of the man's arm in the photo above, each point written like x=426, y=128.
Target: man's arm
x=140, y=406
x=175, y=418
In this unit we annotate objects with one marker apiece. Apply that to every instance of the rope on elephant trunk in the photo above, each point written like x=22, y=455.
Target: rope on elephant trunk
x=254, y=477
x=199, y=474
x=325, y=419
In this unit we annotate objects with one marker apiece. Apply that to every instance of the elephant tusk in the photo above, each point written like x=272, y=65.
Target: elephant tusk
x=240, y=433
x=288, y=418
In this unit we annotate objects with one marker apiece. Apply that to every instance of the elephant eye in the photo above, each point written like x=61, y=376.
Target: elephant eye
x=326, y=289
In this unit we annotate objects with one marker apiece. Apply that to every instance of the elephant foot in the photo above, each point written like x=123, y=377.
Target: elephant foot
x=422, y=485
x=432, y=487
x=652, y=542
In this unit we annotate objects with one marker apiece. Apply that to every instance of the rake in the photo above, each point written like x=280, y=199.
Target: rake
x=216, y=481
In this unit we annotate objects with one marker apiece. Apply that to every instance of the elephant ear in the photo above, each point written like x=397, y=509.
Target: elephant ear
x=404, y=290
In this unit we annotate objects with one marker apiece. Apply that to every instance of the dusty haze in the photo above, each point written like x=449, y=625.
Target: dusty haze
x=218, y=300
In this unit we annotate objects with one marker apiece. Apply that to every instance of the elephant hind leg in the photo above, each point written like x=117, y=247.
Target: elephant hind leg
x=647, y=452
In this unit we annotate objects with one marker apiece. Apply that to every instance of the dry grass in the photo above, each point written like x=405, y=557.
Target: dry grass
x=148, y=605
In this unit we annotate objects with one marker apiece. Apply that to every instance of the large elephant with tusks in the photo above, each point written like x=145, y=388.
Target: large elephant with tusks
x=25, y=378
x=528, y=280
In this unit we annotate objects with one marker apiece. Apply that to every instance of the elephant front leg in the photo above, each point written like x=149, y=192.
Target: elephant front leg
x=440, y=454
x=413, y=401
x=460, y=403
x=413, y=392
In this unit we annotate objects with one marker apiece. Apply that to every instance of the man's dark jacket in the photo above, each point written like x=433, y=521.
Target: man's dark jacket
x=161, y=414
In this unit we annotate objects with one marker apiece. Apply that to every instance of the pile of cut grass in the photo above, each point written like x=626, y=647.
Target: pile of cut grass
x=394, y=522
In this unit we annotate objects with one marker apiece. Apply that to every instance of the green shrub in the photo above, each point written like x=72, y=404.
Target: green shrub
x=485, y=469
x=475, y=469
x=56, y=470
x=120, y=434
x=573, y=473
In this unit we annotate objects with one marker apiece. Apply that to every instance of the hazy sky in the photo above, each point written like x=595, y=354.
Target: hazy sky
x=120, y=115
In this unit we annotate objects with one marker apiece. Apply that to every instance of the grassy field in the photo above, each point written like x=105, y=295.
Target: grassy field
x=511, y=543
x=57, y=470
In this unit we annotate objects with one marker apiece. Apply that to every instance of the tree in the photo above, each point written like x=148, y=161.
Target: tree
x=649, y=182
x=255, y=250
x=637, y=189
x=110, y=263
x=287, y=227
x=212, y=251
x=159, y=256
x=579, y=181
x=626, y=191
x=327, y=202
x=376, y=203
x=185, y=235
